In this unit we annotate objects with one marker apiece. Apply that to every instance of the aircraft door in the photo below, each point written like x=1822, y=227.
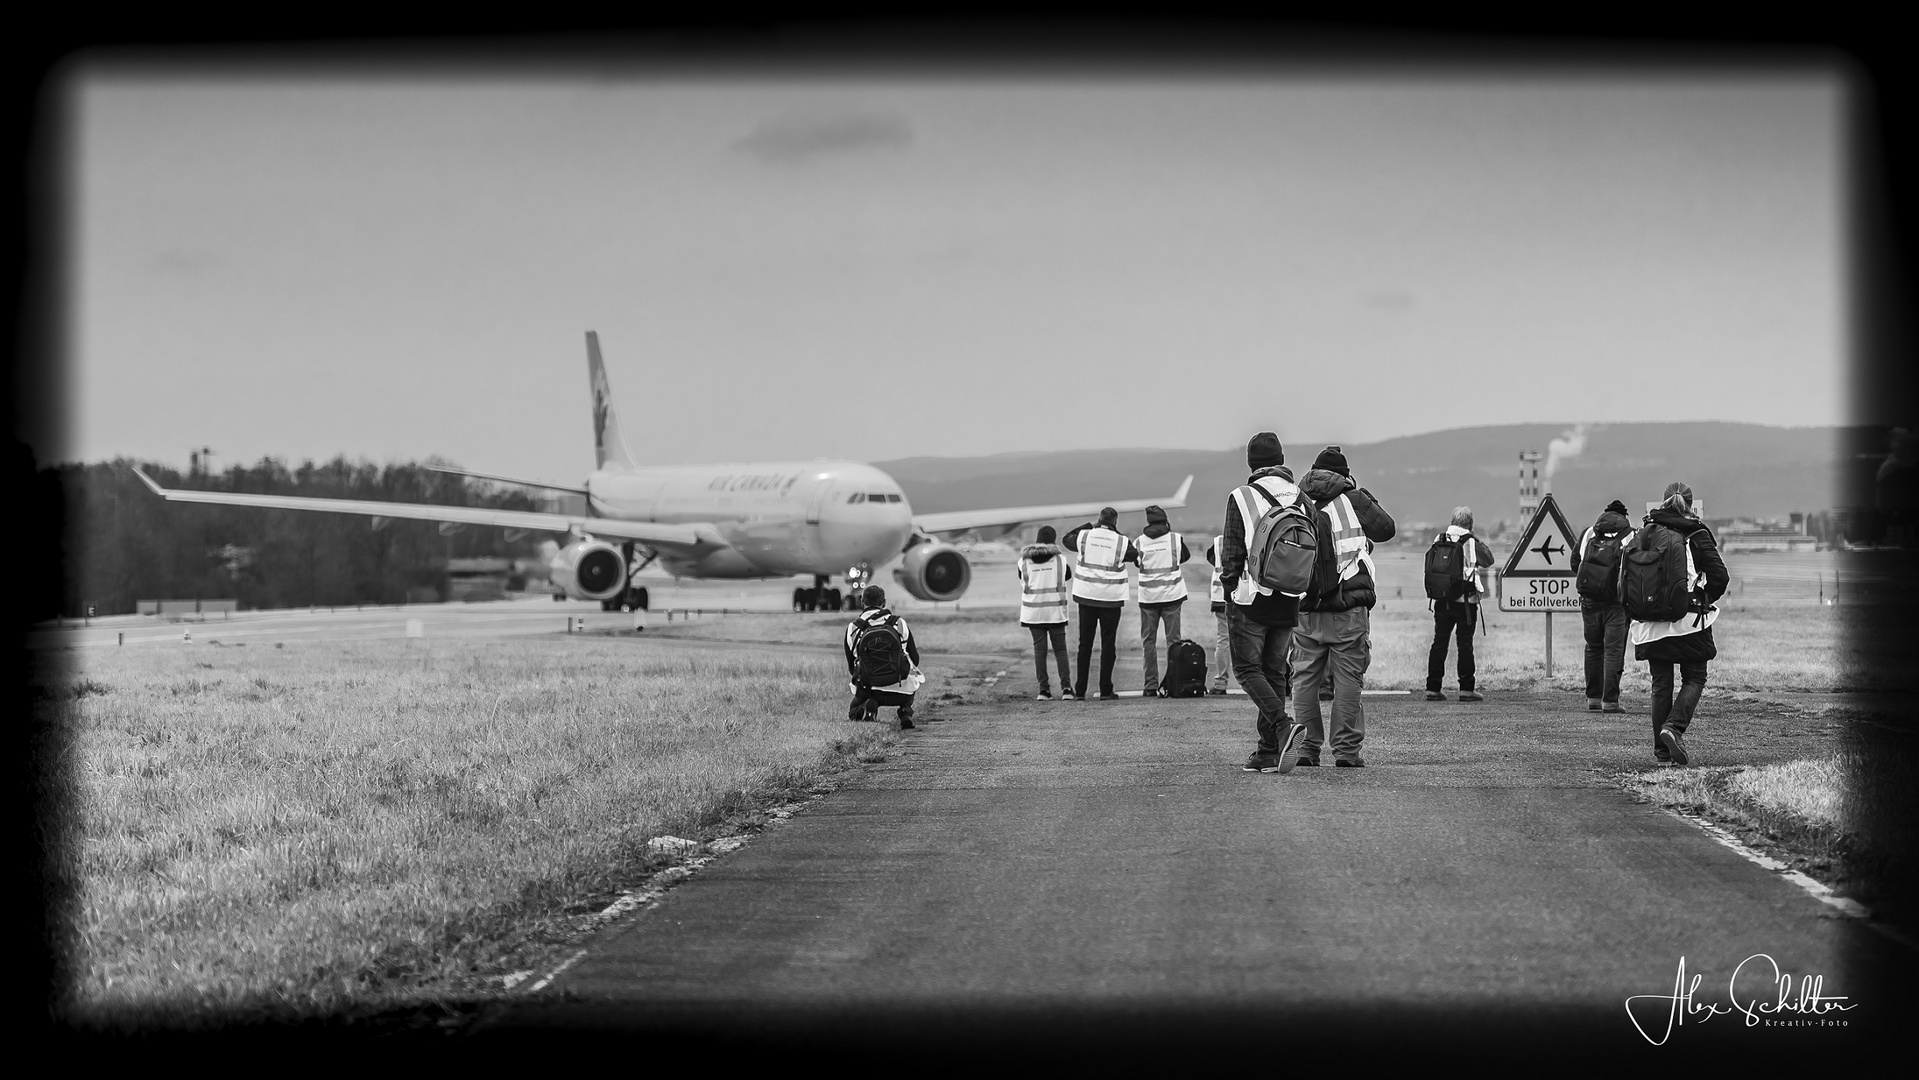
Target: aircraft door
x=823, y=490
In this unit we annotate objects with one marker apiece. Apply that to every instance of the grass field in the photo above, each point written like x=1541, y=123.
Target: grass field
x=334, y=828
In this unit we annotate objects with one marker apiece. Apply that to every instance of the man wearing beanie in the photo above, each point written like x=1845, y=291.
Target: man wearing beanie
x=1259, y=622
x=882, y=661
x=1043, y=575
x=1159, y=552
x=1333, y=638
x=1099, y=587
x=1595, y=564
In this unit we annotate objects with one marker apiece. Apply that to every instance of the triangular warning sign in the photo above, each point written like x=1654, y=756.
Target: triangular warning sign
x=1546, y=547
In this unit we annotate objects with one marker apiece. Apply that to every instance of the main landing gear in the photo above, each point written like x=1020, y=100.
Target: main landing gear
x=822, y=597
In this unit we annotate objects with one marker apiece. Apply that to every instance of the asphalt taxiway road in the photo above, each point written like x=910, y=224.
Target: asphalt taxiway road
x=1070, y=878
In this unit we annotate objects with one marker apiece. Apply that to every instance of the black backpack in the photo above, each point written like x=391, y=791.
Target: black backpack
x=1599, y=567
x=1653, y=582
x=1446, y=568
x=879, y=655
x=1186, y=669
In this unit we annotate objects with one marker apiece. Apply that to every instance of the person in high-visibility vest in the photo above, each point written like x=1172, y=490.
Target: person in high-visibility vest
x=1043, y=575
x=1159, y=552
x=1333, y=640
x=1222, y=647
x=1259, y=621
x=1099, y=588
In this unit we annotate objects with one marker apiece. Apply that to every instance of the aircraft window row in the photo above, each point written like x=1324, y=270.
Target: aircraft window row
x=861, y=497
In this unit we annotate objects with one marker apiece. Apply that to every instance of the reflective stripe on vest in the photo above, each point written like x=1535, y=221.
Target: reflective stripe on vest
x=1279, y=488
x=1101, y=571
x=1160, y=579
x=1350, y=545
x=1042, y=591
x=1215, y=591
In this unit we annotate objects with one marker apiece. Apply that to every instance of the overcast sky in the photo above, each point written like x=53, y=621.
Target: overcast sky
x=876, y=268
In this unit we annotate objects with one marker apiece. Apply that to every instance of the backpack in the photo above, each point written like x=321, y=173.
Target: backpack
x=1599, y=568
x=1655, y=576
x=1446, y=568
x=879, y=656
x=1185, y=669
x=1283, y=551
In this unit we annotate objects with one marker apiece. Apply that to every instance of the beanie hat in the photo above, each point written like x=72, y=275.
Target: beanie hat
x=1264, y=451
x=1332, y=459
x=873, y=597
x=1047, y=535
x=1108, y=515
x=1155, y=516
x=1616, y=507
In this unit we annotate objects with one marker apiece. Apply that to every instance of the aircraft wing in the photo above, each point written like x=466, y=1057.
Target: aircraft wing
x=962, y=520
x=685, y=538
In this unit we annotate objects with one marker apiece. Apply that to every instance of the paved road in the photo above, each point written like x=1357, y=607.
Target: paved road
x=1028, y=882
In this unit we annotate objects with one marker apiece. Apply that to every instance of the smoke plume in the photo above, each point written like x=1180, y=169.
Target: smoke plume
x=1568, y=445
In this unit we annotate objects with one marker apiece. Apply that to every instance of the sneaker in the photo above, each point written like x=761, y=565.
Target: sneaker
x=1261, y=763
x=1592, y=704
x=1611, y=706
x=1676, y=746
x=905, y=724
x=1044, y=695
x=1308, y=761
x=1217, y=691
x=1470, y=695
x=1068, y=695
x=1350, y=762
x=1434, y=695
x=1287, y=758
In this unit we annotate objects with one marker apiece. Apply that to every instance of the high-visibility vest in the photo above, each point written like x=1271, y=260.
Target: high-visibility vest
x=1160, y=579
x=1042, y=591
x=1350, y=545
x=1214, y=590
x=1100, y=573
x=1251, y=509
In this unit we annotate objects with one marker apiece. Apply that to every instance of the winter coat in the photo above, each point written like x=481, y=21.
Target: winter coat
x=1358, y=591
x=1698, y=646
x=1273, y=609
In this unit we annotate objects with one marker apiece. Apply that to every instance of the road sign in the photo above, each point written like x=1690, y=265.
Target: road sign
x=1539, y=573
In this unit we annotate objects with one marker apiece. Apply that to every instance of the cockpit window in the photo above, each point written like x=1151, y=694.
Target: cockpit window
x=856, y=497
x=876, y=497
x=893, y=498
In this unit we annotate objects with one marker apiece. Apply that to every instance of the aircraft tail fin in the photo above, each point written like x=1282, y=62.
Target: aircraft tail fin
x=609, y=445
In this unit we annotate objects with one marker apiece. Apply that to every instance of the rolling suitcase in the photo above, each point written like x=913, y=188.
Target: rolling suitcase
x=1186, y=669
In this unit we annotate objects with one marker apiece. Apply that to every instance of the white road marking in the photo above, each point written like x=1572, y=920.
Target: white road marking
x=555, y=973
x=1237, y=690
x=1847, y=906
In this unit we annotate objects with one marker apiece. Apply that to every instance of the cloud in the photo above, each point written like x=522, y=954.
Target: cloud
x=804, y=137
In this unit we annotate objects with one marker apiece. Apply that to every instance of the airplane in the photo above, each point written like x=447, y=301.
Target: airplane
x=766, y=519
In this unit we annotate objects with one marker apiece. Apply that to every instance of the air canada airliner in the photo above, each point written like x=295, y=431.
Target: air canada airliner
x=763, y=519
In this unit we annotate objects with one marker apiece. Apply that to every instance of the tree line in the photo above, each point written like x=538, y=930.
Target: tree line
x=125, y=544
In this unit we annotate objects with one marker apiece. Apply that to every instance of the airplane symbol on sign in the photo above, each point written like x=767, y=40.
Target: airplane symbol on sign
x=1546, y=549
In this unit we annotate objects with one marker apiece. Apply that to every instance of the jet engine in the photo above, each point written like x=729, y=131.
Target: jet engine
x=934, y=570
x=589, y=570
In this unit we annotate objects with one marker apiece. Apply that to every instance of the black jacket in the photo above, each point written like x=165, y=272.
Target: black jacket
x=1271, y=609
x=1697, y=646
x=1358, y=591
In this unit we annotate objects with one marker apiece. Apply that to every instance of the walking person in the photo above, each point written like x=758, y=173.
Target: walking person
x=1454, y=564
x=1043, y=575
x=1670, y=578
x=1595, y=565
x=882, y=661
x=1159, y=553
x=1099, y=588
x=1333, y=639
x=1259, y=621
x=1222, y=645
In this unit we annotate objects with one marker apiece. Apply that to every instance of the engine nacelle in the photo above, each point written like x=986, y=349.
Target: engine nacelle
x=589, y=570
x=934, y=570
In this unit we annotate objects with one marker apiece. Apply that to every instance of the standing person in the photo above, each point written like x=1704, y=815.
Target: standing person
x=1222, y=646
x=1159, y=553
x=1453, y=567
x=1595, y=563
x=1259, y=622
x=1099, y=587
x=1333, y=639
x=1670, y=577
x=1043, y=575
x=882, y=661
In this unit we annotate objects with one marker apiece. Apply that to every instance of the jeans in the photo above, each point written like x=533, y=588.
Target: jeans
x=1149, y=620
x=1262, y=663
x=1451, y=617
x=1056, y=633
x=1336, y=645
x=1605, y=647
x=1666, y=709
x=1106, y=621
x=1222, y=653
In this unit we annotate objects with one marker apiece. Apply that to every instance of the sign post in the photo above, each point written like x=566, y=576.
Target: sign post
x=1539, y=575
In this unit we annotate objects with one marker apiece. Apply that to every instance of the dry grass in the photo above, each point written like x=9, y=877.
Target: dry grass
x=357, y=826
